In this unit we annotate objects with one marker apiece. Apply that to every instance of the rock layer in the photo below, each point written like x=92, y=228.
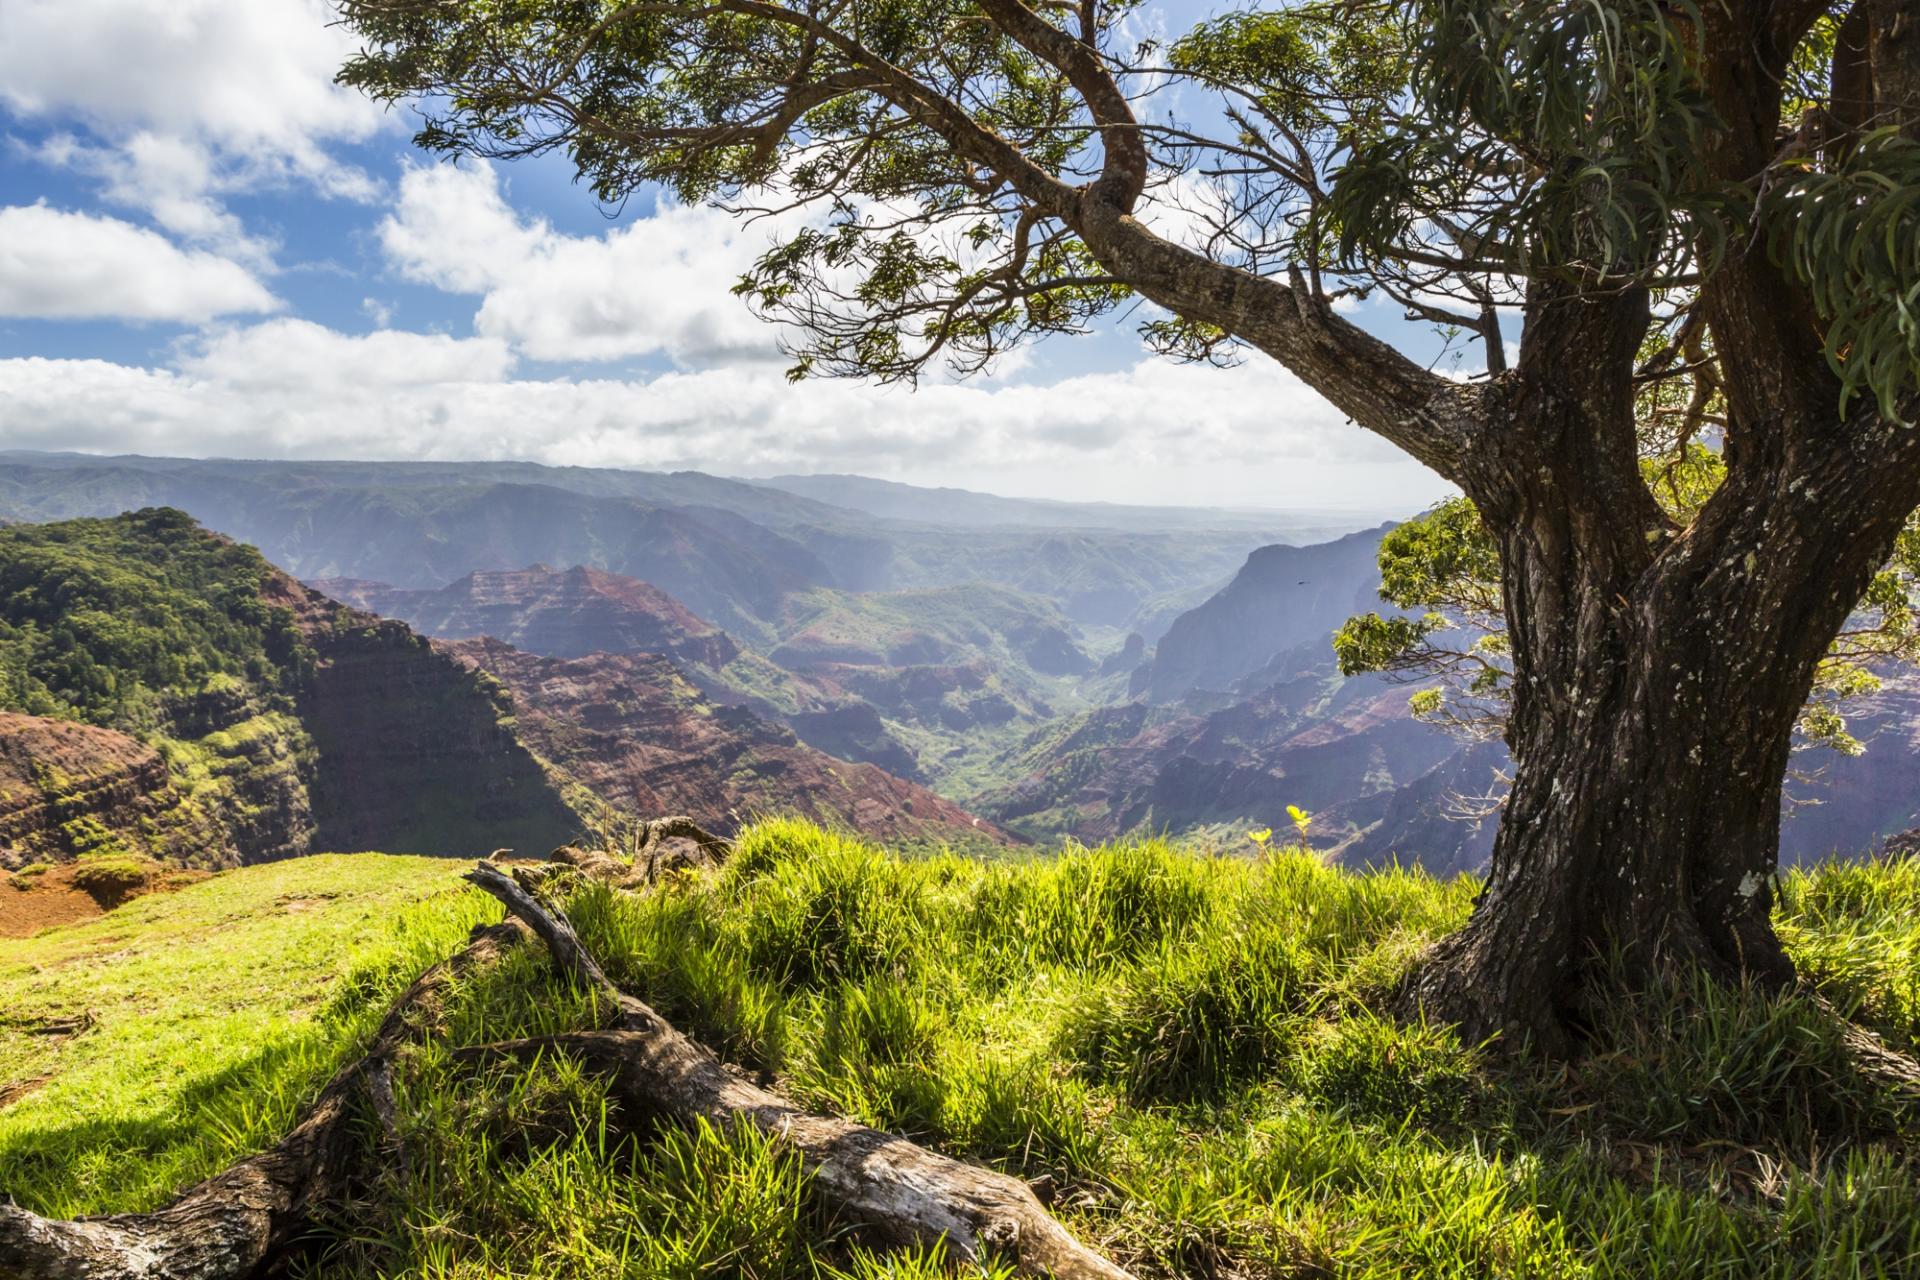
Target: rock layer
x=635, y=733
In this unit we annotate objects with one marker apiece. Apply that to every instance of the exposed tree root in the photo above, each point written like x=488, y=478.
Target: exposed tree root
x=1485, y=1009
x=655, y=853
x=1877, y=1060
x=234, y=1222
x=893, y=1189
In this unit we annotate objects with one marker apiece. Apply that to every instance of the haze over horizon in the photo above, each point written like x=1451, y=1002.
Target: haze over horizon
x=1358, y=512
x=209, y=248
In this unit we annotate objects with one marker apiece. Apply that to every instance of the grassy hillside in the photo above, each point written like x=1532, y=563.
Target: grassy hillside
x=108, y=620
x=149, y=1048
x=1187, y=1046
x=147, y=625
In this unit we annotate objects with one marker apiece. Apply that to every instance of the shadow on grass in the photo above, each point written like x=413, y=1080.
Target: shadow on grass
x=132, y=1162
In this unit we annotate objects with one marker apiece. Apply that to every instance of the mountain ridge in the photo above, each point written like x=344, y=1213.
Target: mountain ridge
x=270, y=720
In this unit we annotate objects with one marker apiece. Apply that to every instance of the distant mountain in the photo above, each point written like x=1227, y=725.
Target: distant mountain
x=183, y=698
x=1242, y=712
x=1841, y=804
x=954, y=672
x=1340, y=750
x=165, y=691
x=424, y=535
x=965, y=508
x=730, y=550
x=85, y=479
x=937, y=627
x=906, y=680
x=1283, y=599
x=572, y=613
x=633, y=731
x=559, y=613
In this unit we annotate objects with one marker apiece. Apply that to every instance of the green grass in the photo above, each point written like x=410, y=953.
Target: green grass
x=1188, y=1045
x=216, y=1012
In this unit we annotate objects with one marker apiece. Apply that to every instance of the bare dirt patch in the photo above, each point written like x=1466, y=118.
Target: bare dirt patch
x=29, y=904
x=12, y=1093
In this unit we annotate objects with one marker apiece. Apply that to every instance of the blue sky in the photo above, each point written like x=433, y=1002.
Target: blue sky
x=207, y=248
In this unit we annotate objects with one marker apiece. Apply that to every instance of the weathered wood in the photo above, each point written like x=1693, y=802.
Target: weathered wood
x=243, y=1220
x=237, y=1221
x=893, y=1190
x=653, y=853
x=652, y=859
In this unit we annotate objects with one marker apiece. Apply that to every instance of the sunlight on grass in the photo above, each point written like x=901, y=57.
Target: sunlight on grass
x=1191, y=1048
x=216, y=1012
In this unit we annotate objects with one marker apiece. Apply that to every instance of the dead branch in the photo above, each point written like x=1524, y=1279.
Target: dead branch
x=654, y=853
x=246, y=1218
x=894, y=1190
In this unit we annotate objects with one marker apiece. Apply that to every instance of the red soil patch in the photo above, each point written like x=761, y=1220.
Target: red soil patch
x=29, y=904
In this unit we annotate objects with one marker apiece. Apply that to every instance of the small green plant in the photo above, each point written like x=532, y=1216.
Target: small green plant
x=1301, y=821
x=111, y=879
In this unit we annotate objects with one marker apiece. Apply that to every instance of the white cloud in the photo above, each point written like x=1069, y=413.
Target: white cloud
x=287, y=388
x=62, y=265
x=298, y=357
x=659, y=285
x=187, y=100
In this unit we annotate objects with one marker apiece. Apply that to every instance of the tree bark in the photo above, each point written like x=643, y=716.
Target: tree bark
x=1659, y=674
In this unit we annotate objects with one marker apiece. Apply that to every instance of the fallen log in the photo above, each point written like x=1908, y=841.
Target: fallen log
x=893, y=1190
x=242, y=1221
x=230, y=1225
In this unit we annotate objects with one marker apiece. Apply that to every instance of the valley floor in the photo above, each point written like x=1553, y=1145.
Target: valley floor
x=1184, y=1047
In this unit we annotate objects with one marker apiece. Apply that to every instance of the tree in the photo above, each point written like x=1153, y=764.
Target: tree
x=1736, y=185
x=1441, y=572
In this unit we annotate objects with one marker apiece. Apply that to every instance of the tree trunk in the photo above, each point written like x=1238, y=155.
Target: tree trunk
x=1658, y=678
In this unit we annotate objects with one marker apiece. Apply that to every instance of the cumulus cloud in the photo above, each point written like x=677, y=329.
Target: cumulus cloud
x=298, y=357
x=659, y=285
x=63, y=265
x=183, y=101
x=287, y=388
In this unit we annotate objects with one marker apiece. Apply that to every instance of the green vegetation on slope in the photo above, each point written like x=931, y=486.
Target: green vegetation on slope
x=1189, y=1046
x=210, y=1016
x=149, y=625
x=107, y=620
x=959, y=674
x=938, y=625
x=285, y=722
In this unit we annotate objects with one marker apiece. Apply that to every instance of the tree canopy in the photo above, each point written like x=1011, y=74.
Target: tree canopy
x=927, y=163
